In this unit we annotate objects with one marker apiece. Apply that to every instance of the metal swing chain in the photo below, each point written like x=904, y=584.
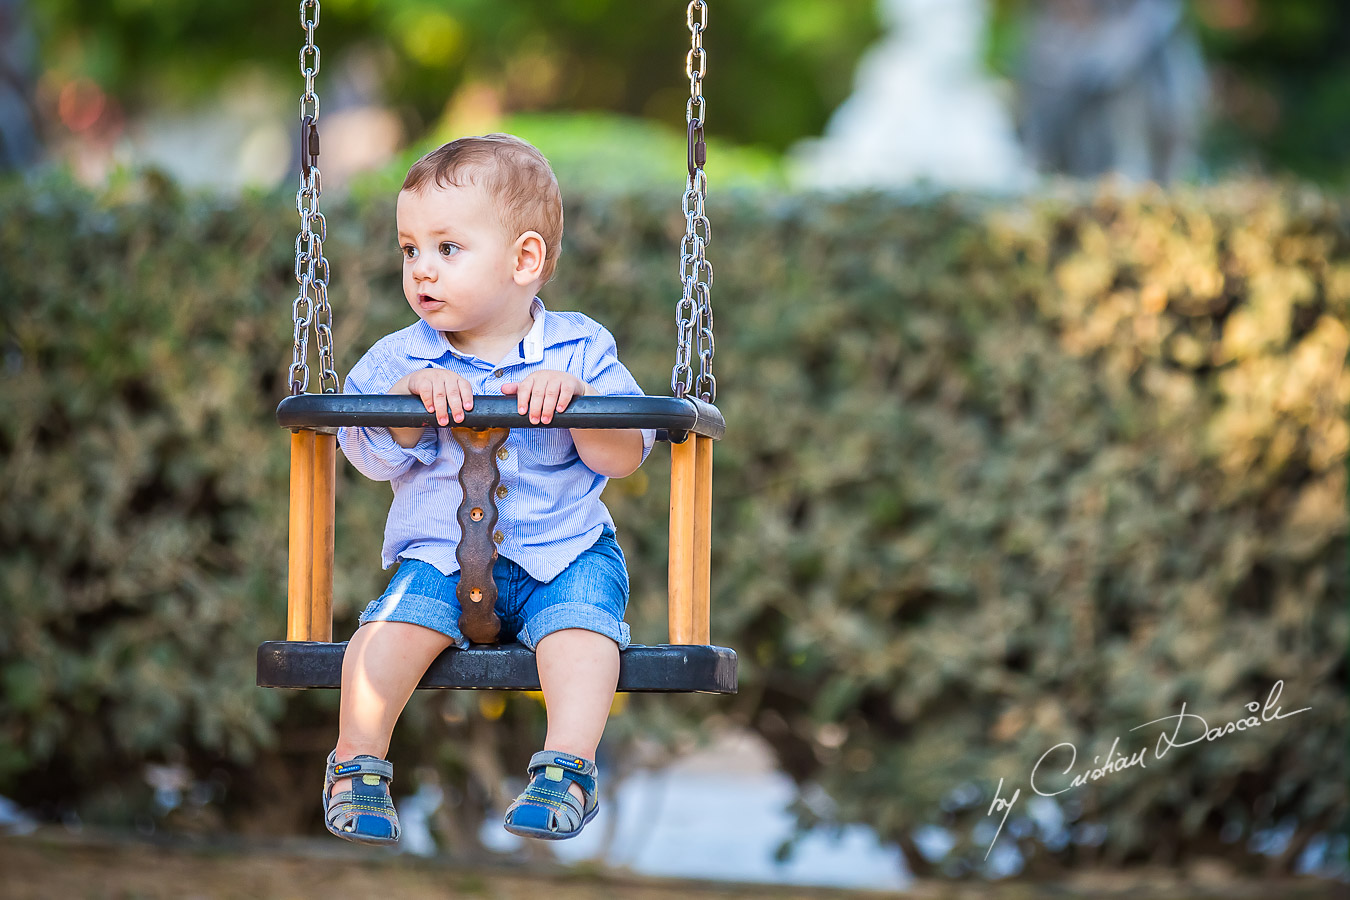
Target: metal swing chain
x=311, y=266
x=693, y=313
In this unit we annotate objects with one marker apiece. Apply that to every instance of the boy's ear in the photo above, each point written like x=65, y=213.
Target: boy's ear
x=530, y=253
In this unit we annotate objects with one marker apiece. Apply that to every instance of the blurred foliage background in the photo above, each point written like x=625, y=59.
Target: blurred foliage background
x=780, y=67
x=1063, y=463
x=1280, y=69
x=1001, y=475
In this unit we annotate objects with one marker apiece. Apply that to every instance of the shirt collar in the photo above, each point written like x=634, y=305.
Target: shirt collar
x=531, y=347
x=426, y=342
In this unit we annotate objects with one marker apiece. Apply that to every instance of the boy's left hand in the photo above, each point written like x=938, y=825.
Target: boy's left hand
x=545, y=392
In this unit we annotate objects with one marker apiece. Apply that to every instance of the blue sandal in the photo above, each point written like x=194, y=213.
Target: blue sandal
x=366, y=813
x=547, y=809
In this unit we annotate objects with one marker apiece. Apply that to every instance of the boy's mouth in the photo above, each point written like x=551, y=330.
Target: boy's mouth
x=426, y=301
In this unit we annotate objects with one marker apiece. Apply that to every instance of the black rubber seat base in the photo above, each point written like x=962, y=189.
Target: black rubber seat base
x=663, y=668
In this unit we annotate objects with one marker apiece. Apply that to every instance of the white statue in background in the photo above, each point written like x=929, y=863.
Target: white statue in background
x=923, y=109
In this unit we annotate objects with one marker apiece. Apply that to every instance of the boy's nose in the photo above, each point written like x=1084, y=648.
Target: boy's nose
x=423, y=270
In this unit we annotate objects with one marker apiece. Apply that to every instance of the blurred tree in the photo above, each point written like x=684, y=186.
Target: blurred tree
x=1282, y=83
x=777, y=67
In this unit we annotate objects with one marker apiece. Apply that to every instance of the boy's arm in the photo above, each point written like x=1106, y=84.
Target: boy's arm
x=612, y=452
x=375, y=452
x=442, y=392
x=405, y=437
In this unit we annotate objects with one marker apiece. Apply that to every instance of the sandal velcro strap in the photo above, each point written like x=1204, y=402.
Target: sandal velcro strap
x=553, y=758
x=364, y=765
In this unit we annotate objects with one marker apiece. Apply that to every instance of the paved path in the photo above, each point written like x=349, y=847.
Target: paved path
x=51, y=864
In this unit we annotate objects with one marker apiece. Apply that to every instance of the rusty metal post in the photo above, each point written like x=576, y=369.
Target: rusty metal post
x=477, y=550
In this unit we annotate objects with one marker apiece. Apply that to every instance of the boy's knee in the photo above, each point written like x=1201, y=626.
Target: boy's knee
x=578, y=636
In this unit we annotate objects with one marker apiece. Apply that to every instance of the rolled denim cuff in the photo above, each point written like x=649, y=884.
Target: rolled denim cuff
x=574, y=615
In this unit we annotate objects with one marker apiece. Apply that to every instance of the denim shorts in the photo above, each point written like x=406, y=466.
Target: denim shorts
x=591, y=593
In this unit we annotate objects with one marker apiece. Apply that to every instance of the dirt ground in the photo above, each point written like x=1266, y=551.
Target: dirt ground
x=53, y=865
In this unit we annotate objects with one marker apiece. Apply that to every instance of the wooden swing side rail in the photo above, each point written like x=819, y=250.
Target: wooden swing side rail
x=690, y=425
x=309, y=606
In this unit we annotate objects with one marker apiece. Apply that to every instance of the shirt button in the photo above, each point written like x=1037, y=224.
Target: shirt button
x=498, y=537
x=503, y=453
x=502, y=492
x=497, y=373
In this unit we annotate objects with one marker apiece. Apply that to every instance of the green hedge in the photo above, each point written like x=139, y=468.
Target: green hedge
x=997, y=476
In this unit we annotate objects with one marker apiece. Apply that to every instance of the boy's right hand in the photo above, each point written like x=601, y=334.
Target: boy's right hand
x=442, y=391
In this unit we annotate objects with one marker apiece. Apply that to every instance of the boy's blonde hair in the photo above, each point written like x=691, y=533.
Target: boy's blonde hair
x=514, y=172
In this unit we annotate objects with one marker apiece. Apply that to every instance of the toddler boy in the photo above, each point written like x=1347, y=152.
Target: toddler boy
x=480, y=225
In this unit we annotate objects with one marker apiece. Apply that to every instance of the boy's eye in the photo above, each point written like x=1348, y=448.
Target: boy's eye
x=408, y=251
x=449, y=249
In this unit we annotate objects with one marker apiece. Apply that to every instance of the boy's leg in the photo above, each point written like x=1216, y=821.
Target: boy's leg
x=382, y=665
x=578, y=672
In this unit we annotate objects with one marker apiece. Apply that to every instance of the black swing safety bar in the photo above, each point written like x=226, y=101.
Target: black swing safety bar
x=674, y=418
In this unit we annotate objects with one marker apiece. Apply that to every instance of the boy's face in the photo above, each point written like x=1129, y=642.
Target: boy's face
x=459, y=264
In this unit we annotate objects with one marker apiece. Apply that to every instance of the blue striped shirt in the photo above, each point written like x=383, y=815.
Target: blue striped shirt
x=550, y=510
